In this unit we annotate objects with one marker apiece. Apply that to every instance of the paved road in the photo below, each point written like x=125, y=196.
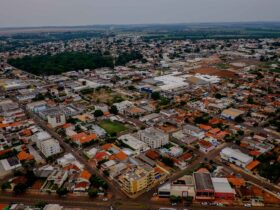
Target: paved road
x=252, y=178
x=87, y=203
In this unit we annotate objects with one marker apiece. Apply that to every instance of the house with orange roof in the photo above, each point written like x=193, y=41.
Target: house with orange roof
x=121, y=156
x=205, y=146
x=24, y=156
x=205, y=127
x=84, y=176
x=82, y=138
x=134, y=111
x=252, y=165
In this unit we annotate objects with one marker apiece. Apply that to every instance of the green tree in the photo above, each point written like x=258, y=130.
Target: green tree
x=155, y=95
x=61, y=191
x=92, y=193
x=6, y=185
x=114, y=110
x=98, y=113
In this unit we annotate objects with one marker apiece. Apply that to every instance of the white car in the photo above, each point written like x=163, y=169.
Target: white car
x=247, y=205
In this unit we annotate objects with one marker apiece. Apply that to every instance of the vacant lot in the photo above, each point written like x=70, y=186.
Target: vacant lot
x=216, y=72
x=106, y=96
x=112, y=127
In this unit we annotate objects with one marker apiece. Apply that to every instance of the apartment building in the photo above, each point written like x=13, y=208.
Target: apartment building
x=50, y=147
x=154, y=137
x=137, y=179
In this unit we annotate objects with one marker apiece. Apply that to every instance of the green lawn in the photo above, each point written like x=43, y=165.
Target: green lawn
x=112, y=127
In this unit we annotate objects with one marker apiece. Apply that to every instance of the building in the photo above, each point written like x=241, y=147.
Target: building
x=56, y=119
x=193, y=131
x=123, y=106
x=232, y=113
x=50, y=147
x=137, y=179
x=223, y=189
x=204, y=189
x=235, y=156
x=154, y=137
x=205, y=146
x=182, y=187
x=134, y=143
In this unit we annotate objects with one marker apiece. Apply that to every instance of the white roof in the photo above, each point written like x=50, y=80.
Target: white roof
x=171, y=82
x=43, y=135
x=222, y=185
x=237, y=154
x=132, y=141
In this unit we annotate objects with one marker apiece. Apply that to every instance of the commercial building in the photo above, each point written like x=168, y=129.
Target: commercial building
x=235, y=156
x=134, y=143
x=231, y=113
x=204, y=189
x=182, y=187
x=223, y=189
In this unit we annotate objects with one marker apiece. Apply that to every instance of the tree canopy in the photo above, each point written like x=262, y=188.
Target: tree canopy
x=62, y=62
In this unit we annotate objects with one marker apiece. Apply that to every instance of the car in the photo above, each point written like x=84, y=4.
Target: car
x=173, y=204
x=204, y=204
x=247, y=205
x=105, y=199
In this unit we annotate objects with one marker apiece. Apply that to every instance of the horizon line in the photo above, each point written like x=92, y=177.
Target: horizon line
x=136, y=24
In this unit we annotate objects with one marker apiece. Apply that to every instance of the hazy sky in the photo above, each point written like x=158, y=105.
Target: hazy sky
x=87, y=12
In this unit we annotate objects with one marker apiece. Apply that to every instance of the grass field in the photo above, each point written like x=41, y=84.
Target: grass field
x=112, y=127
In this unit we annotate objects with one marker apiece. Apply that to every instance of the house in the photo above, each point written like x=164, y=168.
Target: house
x=55, y=180
x=83, y=138
x=205, y=146
x=193, y=131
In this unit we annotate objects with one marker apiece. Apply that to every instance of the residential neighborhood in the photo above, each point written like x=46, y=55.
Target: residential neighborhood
x=186, y=123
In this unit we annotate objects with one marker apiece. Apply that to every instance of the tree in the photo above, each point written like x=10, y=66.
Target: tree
x=6, y=185
x=98, y=113
x=106, y=173
x=175, y=199
x=61, y=191
x=250, y=100
x=92, y=193
x=155, y=95
x=168, y=161
x=20, y=188
x=114, y=110
x=218, y=96
x=41, y=204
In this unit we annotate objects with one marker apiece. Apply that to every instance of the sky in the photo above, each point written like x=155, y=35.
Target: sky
x=19, y=13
